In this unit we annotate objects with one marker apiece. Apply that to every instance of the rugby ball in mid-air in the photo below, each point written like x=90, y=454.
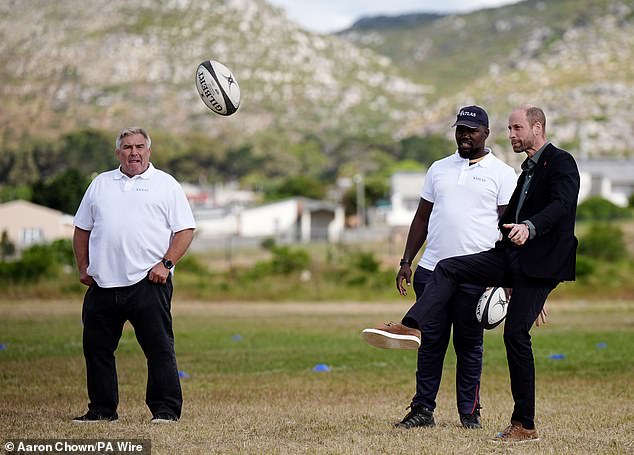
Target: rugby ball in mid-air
x=491, y=309
x=217, y=87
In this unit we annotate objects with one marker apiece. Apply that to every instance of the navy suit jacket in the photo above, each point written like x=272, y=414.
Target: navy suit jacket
x=551, y=205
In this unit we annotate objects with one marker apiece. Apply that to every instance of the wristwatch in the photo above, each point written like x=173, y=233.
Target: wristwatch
x=167, y=263
x=405, y=261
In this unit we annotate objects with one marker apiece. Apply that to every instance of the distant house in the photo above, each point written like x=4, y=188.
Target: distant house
x=405, y=190
x=217, y=195
x=27, y=224
x=611, y=179
x=297, y=219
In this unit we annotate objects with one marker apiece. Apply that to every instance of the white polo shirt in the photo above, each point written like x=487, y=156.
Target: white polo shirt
x=465, y=197
x=132, y=221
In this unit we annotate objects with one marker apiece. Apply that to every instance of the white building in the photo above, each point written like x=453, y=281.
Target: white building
x=291, y=220
x=611, y=179
x=218, y=195
x=405, y=190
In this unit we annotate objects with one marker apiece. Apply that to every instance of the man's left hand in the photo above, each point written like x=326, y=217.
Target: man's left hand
x=158, y=274
x=541, y=318
x=518, y=233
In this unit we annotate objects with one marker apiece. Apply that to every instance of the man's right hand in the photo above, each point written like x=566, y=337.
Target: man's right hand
x=86, y=279
x=404, y=273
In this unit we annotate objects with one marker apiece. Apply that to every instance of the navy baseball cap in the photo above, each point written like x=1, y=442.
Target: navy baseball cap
x=472, y=117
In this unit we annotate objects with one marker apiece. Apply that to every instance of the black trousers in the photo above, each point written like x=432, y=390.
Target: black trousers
x=467, y=342
x=148, y=308
x=496, y=267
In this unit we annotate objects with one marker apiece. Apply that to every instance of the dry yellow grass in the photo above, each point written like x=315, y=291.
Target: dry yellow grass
x=250, y=408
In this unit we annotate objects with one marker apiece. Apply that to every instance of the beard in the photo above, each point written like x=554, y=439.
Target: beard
x=518, y=147
x=522, y=145
x=467, y=152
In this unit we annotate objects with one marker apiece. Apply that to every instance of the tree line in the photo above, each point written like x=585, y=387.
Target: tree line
x=55, y=172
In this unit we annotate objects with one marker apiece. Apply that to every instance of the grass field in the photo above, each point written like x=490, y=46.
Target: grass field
x=252, y=388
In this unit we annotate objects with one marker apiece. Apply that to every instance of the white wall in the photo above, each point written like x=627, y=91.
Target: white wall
x=268, y=220
x=280, y=220
x=405, y=196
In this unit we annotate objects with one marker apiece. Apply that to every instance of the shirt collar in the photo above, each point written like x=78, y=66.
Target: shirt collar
x=118, y=175
x=484, y=162
x=531, y=161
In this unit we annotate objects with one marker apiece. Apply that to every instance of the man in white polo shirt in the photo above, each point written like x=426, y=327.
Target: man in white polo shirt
x=133, y=224
x=461, y=201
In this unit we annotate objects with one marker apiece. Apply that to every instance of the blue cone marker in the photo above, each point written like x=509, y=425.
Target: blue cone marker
x=321, y=367
x=557, y=356
x=182, y=374
x=602, y=345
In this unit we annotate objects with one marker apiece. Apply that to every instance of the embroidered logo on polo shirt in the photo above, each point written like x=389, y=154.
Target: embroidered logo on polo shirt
x=142, y=189
x=479, y=179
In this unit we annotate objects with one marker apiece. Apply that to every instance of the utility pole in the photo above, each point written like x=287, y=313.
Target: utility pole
x=358, y=180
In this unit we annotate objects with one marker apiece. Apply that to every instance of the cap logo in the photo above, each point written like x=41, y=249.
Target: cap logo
x=472, y=117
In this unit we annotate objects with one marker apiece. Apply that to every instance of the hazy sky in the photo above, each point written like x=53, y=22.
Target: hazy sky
x=333, y=15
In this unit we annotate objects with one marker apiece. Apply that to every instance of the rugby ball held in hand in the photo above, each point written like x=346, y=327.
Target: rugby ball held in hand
x=491, y=309
x=217, y=87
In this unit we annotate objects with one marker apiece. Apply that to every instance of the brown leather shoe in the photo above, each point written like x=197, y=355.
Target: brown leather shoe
x=515, y=432
x=392, y=336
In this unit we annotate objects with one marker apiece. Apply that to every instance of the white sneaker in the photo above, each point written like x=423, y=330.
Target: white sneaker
x=164, y=418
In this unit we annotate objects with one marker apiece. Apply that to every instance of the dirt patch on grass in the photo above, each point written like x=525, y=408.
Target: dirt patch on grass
x=26, y=308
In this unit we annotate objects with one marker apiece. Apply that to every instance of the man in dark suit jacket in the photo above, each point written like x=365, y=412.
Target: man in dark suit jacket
x=537, y=251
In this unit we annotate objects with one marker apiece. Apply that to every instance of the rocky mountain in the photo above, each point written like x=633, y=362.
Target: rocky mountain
x=69, y=64
x=106, y=63
x=399, y=22
x=572, y=57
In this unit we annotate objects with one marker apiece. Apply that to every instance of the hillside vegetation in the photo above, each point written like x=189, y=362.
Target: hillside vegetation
x=323, y=105
x=572, y=57
x=107, y=63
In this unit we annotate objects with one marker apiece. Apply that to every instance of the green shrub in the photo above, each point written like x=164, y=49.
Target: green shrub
x=35, y=263
x=603, y=241
x=359, y=269
x=598, y=209
x=11, y=193
x=190, y=263
x=38, y=261
x=585, y=266
x=363, y=261
x=268, y=243
x=357, y=279
x=62, y=192
x=285, y=260
x=62, y=251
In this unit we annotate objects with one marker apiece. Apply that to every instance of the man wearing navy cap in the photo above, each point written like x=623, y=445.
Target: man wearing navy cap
x=472, y=117
x=461, y=199
x=537, y=251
